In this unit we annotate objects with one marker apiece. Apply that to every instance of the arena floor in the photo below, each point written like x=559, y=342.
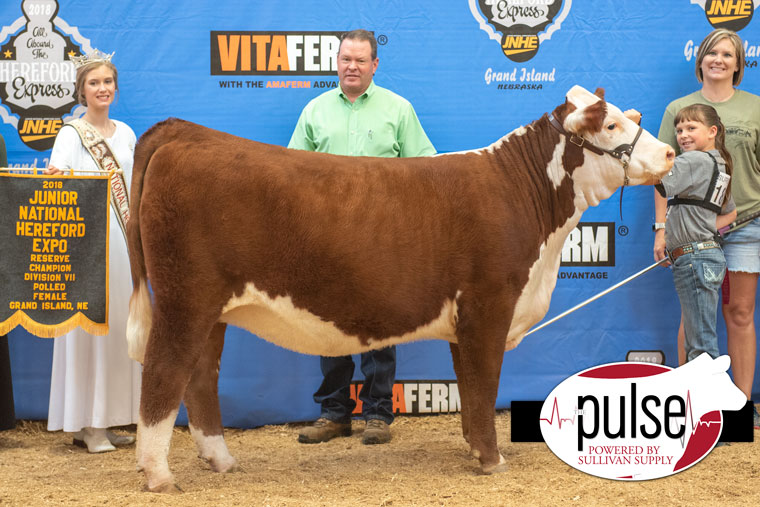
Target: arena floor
x=426, y=463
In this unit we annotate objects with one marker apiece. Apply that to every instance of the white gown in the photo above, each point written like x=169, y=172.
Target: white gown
x=94, y=382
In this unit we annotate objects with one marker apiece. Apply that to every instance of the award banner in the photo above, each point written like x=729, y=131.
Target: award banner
x=54, y=253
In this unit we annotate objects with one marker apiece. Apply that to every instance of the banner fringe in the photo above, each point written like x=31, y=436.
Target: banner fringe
x=53, y=331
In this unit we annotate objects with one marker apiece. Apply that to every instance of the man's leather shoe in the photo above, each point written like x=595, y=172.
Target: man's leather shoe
x=323, y=430
x=376, y=432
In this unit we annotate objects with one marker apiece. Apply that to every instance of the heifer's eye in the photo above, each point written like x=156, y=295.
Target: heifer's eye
x=612, y=126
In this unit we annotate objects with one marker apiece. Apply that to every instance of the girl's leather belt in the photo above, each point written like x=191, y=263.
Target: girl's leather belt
x=691, y=247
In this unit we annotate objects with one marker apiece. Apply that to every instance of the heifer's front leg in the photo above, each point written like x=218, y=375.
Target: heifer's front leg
x=202, y=402
x=173, y=349
x=481, y=352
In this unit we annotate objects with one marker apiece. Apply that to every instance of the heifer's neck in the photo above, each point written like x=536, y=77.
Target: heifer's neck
x=563, y=179
x=536, y=164
x=556, y=182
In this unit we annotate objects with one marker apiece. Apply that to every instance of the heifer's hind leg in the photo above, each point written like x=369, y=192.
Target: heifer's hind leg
x=481, y=352
x=202, y=402
x=174, y=346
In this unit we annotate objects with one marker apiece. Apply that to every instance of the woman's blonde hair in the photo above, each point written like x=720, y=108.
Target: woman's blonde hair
x=709, y=43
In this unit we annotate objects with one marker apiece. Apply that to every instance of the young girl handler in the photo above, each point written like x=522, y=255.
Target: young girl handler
x=700, y=204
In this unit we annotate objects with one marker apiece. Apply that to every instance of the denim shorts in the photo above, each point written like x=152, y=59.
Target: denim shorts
x=742, y=248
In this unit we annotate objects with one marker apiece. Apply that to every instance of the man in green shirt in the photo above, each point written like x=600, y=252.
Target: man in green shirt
x=358, y=118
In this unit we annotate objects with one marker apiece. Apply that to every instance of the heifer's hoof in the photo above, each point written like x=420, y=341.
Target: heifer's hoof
x=167, y=488
x=223, y=466
x=495, y=468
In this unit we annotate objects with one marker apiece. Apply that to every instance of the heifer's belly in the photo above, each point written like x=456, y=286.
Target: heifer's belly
x=279, y=321
x=534, y=300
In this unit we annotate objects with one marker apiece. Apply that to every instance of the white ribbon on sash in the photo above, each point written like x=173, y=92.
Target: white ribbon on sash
x=103, y=155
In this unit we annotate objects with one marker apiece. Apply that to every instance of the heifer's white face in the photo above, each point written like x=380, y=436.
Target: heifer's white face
x=601, y=175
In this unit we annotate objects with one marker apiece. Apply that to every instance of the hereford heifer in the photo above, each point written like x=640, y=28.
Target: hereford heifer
x=334, y=255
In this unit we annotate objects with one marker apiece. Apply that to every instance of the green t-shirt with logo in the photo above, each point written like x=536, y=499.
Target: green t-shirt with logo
x=379, y=123
x=741, y=116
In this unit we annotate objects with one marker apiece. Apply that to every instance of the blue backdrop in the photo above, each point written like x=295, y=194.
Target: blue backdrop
x=192, y=59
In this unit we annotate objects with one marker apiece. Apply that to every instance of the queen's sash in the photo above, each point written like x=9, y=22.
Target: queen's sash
x=105, y=159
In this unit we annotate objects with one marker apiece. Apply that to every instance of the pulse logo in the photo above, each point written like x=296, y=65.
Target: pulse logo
x=639, y=421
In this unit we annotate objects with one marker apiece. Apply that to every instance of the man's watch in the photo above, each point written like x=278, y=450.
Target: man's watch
x=658, y=225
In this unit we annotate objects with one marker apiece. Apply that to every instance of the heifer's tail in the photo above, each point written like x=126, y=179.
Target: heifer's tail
x=140, y=310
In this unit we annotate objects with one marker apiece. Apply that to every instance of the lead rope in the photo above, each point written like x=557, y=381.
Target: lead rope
x=733, y=227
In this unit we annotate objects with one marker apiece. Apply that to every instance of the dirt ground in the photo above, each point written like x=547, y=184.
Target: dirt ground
x=426, y=463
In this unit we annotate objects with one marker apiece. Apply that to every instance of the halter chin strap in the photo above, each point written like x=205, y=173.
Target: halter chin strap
x=622, y=152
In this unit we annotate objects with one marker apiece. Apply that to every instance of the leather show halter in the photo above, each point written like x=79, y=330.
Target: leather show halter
x=622, y=152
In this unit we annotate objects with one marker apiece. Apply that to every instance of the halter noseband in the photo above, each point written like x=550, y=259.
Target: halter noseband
x=622, y=152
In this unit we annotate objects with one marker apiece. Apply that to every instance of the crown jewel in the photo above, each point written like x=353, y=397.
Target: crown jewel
x=94, y=56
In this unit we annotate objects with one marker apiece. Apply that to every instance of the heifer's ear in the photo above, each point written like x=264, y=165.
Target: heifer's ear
x=599, y=93
x=588, y=119
x=633, y=115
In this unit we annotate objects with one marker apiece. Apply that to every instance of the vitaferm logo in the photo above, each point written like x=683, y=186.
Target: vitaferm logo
x=274, y=53
x=638, y=421
x=522, y=25
x=731, y=14
x=417, y=397
x=36, y=73
x=590, y=244
x=248, y=56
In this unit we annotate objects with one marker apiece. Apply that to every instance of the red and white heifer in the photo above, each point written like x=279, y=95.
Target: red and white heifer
x=332, y=255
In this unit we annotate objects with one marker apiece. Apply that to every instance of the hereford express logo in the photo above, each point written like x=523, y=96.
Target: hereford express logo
x=36, y=74
x=274, y=53
x=638, y=421
x=731, y=14
x=522, y=25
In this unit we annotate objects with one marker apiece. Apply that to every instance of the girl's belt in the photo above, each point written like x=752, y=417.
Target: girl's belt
x=690, y=248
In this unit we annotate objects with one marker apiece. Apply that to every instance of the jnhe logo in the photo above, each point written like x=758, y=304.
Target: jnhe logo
x=418, y=397
x=728, y=10
x=35, y=129
x=274, y=53
x=514, y=44
x=731, y=14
